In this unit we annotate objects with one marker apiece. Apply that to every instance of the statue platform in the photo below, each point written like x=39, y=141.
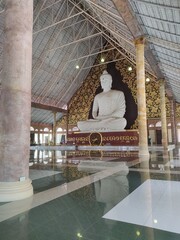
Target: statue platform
x=122, y=138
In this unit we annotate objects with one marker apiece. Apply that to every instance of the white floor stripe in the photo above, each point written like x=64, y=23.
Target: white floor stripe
x=12, y=209
x=37, y=174
x=154, y=204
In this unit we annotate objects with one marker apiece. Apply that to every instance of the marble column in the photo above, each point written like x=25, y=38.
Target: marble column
x=39, y=141
x=173, y=121
x=15, y=101
x=54, y=129
x=141, y=97
x=67, y=124
x=163, y=115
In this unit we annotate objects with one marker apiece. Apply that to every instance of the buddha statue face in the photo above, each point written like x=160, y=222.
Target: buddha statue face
x=106, y=81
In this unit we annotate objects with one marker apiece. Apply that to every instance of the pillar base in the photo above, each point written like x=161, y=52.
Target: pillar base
x=144, y=153
x=13, y=191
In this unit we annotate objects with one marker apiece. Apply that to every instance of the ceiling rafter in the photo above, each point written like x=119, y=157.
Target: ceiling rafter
x=114, y=42
x=75, y=41
x=38, y=10
x=169, y=62
x=48, y=88
x=47, y=107
x=63, y=92
x=166, y=21
x=125, y=11
x=53, y=4
x=169, y=56
x=163, y=43
x=91, y=54
x=173, y=79
x=100, y=64
x=174, y=69
x=163, y=31
x=99, y=24
x=74, y=78
x=156, y=4
x=49, y=45
x=171, y=73
x=56, y=23
x=109, y=27
x=104, y=10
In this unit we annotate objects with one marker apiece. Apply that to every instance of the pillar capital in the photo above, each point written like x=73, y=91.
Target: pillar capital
x=140, y=40
x=161, y=80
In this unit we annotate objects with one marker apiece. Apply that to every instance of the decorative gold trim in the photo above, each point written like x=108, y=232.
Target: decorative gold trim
x=95, y=139
x=95, y=154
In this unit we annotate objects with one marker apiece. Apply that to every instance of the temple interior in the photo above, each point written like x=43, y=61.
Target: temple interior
x=108, y=181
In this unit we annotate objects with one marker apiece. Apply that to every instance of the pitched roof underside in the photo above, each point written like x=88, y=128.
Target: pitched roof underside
x=67, y=33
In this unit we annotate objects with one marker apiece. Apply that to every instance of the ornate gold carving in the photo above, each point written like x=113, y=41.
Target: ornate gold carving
x=95, y=139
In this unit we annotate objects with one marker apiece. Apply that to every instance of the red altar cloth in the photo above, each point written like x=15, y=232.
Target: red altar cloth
x=123, y=138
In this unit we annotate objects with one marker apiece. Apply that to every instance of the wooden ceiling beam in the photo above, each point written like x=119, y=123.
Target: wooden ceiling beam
x=47, y=107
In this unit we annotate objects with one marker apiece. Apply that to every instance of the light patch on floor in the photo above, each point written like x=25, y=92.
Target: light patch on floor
x=37, y=174
x=155, y=204
x=12, y=209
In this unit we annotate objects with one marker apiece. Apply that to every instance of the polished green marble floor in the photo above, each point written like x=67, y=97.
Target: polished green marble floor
x=92, y=187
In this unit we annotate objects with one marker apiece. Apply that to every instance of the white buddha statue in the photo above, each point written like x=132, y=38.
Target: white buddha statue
x=108, y=109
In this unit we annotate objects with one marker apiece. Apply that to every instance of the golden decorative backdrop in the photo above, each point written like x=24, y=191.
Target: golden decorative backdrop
x=80, y=103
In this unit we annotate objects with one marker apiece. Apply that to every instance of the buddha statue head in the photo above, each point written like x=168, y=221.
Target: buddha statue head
x=106, y=81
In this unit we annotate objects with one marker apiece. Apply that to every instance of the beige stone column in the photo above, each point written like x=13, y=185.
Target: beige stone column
x=141, y=97
x=54, y=129
x=173, y=121
x=67, y=124
x=163, y=115
x=15, y=101
x=39, y=142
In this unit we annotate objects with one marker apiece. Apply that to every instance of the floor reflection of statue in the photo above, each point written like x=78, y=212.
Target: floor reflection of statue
x=108, y=109
x=112, y=190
